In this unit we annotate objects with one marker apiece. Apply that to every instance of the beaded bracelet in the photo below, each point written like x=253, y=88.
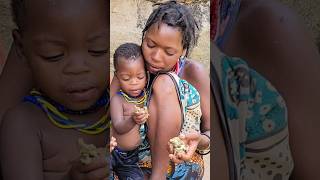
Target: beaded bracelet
x=204, y=151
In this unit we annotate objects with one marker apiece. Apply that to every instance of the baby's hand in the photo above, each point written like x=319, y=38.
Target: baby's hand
x=113, y=143
x=140, y=115
x=97, y=168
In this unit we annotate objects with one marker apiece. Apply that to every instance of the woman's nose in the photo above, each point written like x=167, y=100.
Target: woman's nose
x=156, y=55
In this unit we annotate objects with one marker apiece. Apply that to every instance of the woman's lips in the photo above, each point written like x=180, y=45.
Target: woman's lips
x=153, y=68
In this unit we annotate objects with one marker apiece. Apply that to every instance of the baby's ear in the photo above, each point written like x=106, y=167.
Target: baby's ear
x=18, y=46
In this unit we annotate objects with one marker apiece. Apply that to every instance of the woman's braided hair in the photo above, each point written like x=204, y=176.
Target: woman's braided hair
x=175, y=15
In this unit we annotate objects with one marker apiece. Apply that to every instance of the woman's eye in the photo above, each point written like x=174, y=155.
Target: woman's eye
x=53, y=58
x=98, y=52
x=169, y=53
x=150, y=45
x=140, y=77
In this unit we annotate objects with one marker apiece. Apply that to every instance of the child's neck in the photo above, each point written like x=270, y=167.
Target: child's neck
x=138, y=100
x=89, y=117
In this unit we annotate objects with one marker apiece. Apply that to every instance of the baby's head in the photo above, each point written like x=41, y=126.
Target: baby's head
x=129, y=68
x=66, y=44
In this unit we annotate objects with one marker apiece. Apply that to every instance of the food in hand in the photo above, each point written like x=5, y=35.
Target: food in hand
x=88, y=152
x=178, y=145
x=142, y=110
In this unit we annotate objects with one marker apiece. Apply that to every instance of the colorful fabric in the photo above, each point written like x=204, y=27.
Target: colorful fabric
x=179, y=65
x=255, y=120
x=190, y=104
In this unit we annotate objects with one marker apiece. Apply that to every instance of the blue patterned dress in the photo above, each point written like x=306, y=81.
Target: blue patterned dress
x=255, y=121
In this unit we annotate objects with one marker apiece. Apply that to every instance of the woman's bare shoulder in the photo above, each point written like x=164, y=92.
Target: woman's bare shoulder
x=195, y=72
x=194, y=68
x=271, y=25
x=163, y=84
x=270, y=35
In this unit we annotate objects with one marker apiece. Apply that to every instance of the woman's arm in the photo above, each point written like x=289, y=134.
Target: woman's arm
x=20, y=149
x=164, y=123
x=275, y=43
x=15, y=81
x=197, y=75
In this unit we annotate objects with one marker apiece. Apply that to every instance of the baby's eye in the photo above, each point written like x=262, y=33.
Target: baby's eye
x=125, y=78
x=98, y=52
x=54, y=58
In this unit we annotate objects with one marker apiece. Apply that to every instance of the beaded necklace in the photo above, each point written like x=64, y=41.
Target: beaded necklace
x=102, y=101
x=60, y=120
x=141, y=99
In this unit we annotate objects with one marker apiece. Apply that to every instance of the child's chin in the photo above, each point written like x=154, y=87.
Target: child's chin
x=134, y=93
x=80, y=106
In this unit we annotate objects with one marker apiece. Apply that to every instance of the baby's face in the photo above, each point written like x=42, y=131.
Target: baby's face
x=131, y=75
x=66, y=43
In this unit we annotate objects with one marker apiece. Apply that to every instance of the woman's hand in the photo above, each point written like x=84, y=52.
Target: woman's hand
x=192, y=140
x=98, y=169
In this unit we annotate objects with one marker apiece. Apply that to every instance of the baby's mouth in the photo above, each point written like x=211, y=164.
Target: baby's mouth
x=82, y=94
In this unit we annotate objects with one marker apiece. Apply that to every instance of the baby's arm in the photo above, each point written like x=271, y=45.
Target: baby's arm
x=20, y=150
x=15, y=81
x=121, y=118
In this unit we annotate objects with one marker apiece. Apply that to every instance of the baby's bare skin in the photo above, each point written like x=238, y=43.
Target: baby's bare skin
x=131, y=139
x=55, y=149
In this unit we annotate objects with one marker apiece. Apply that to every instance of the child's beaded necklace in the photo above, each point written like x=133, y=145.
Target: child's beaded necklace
x=54, y=112
x=141, y=99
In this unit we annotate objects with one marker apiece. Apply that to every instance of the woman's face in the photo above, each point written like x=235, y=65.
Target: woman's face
x=162, y=47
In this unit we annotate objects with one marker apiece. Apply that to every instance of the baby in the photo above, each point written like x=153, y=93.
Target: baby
x=65, y=44
x=128, y=110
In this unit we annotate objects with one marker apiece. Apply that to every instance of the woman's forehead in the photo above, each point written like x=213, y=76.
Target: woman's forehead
x=163, y=33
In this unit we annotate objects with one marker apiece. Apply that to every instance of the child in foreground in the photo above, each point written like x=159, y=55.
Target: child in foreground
x=128, y=111
x=65, y=45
